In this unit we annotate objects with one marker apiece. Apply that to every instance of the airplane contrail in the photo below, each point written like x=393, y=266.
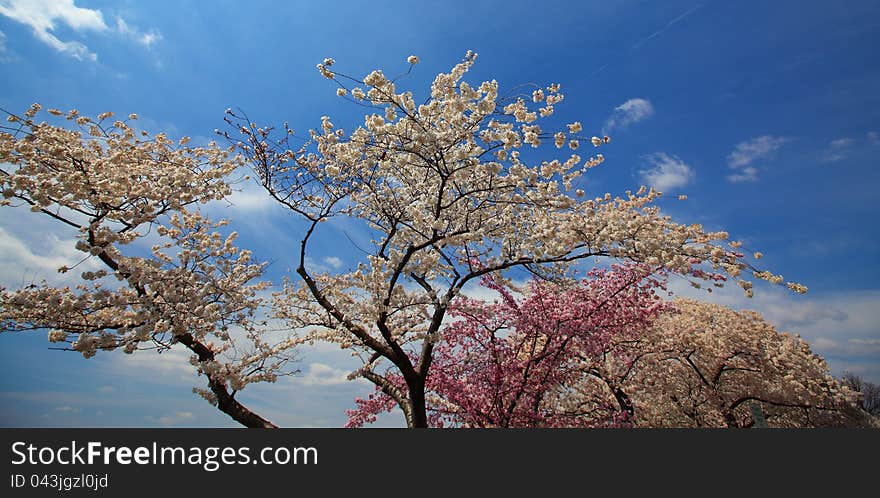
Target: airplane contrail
x=664, y=28
x=597, y=71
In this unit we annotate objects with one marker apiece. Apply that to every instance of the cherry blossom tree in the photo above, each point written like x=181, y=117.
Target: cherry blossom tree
x=450, y=197
x=706, y=365
x=120, y=190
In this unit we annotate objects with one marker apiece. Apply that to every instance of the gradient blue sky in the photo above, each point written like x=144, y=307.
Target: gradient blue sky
x=764, y=113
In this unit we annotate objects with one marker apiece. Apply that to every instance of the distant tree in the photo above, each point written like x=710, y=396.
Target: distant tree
x=450, y=197
x=870, y=392
x=117, y=189
x=704, y=365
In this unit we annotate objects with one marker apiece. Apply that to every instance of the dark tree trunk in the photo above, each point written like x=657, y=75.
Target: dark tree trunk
x=624, y=402
x=419, y=413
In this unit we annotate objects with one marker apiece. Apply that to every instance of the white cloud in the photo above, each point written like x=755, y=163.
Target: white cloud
x=327, y=264
x=333, y=261
x=25, y=261
x=173, y=419
x=146, y=39
x=745, y=153
x=321, y=374
x=247, y=197
x=666, y=172
x=33, y=247
x=44, y=16
x=149, y=38
x=631, y=111
x=841, y=143
x=4, y=53
x=838, y=149
x=826, y=344
x=873, y=137
x=41, y=14
x=170, y=366
x=865, y=342
x=476, y=291
x=67, y=409
x=747, y=174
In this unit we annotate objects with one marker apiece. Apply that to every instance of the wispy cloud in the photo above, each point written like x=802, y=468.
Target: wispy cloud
x=324, y=265
x=145, y=38
x=873, y=137
x=666, y=27
x=747, y=174
x=4, y=53
x=872, y=343
x=321, y=374
x=44, y=16
x=176, y=418
x=171, y=366
x=28, y=260
x=838, y=150
x=631, y=111
x=250, y=197
x=745, y=153
x=666, y=172
x=333, y=261
x=842, y=142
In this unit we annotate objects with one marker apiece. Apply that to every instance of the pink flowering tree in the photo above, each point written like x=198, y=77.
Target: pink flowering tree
x=158, y=274
x=442, y=185
x=517, y=363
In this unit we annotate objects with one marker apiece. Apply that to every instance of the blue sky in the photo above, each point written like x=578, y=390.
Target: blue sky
x=766, y=114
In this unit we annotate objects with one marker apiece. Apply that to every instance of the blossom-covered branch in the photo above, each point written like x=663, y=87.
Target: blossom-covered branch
x=116, y=186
